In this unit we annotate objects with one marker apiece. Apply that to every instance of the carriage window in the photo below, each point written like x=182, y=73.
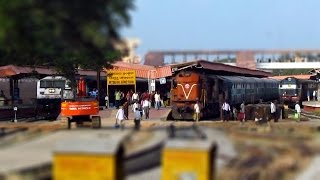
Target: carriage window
x=68, y=84
x=59, y=84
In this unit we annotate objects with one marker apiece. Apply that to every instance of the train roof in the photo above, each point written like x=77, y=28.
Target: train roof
x=244, y=79
x=231, y=78
x=54, y=77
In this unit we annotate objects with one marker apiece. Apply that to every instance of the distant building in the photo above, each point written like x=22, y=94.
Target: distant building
x=130, y=45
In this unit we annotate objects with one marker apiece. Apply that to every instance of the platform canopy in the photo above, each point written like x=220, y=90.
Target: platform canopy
x=142, y=71
x=21, y=71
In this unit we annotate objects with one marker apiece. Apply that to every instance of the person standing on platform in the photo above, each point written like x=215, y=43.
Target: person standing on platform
x=273, y=111
x=298, y=111
x=168, y=98
x=151, y=97
x=226, y=111
x=165, y=100
x=137, y=119
x=94, y=93
x=117, y=98
x=120, y=117
x=135, y=97
x=197, y=111
x=106, y=99
x=146, y=106
x=128, y=97
x=126, y=110
x=134, y=106
x=2, y=98
x=242, y=112
x=157, y=100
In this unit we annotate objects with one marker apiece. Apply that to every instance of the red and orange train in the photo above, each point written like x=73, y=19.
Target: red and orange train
x=211, y=90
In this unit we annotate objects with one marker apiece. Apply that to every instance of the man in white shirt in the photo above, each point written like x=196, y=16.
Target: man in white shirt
x=135, y=97
x=146, y=107
x=157, y=100
x=197, y=111
x=298, y=111
x=120, y=117
x=134, y=106
x=226, y=111
x=273, y=111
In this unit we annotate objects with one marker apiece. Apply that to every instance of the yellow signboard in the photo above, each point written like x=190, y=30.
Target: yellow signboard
x=121, y=77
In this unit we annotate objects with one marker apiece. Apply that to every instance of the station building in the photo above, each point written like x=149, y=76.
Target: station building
x=19, y=82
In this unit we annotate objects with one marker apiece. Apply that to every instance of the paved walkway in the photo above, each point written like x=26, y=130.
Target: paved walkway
x=108, y=116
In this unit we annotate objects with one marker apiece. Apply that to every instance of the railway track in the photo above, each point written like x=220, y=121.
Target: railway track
x=308, y=115
x=145, y=155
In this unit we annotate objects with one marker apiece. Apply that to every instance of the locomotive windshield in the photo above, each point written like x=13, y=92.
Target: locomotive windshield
x=288, y=92
x=52, y=84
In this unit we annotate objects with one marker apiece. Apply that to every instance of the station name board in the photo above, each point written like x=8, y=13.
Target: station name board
x=121, y=77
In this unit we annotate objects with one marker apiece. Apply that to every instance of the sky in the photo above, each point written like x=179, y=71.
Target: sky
x=224, y=24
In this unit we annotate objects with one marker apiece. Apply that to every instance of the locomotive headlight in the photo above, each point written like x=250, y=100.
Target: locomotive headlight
x=295, y=94
x=51, y=90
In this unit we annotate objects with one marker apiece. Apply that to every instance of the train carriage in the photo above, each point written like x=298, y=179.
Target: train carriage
x=211, y=90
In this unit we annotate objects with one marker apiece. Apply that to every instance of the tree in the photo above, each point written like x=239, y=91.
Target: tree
x=63, y=34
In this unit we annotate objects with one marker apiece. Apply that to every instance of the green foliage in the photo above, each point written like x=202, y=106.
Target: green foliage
x=62, y=33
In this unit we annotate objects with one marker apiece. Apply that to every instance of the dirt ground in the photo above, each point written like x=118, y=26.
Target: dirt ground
x=265, y=151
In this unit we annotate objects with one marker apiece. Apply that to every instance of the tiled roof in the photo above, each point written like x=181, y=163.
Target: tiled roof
x=142, y=71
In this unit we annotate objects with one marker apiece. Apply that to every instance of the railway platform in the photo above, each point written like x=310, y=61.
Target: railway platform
x=311, y=106
x=108, y=115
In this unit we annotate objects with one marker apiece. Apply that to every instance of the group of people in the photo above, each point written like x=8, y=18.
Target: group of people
x=156, y=99
x=227, y=114
x=314, y=95
x=140, y=103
